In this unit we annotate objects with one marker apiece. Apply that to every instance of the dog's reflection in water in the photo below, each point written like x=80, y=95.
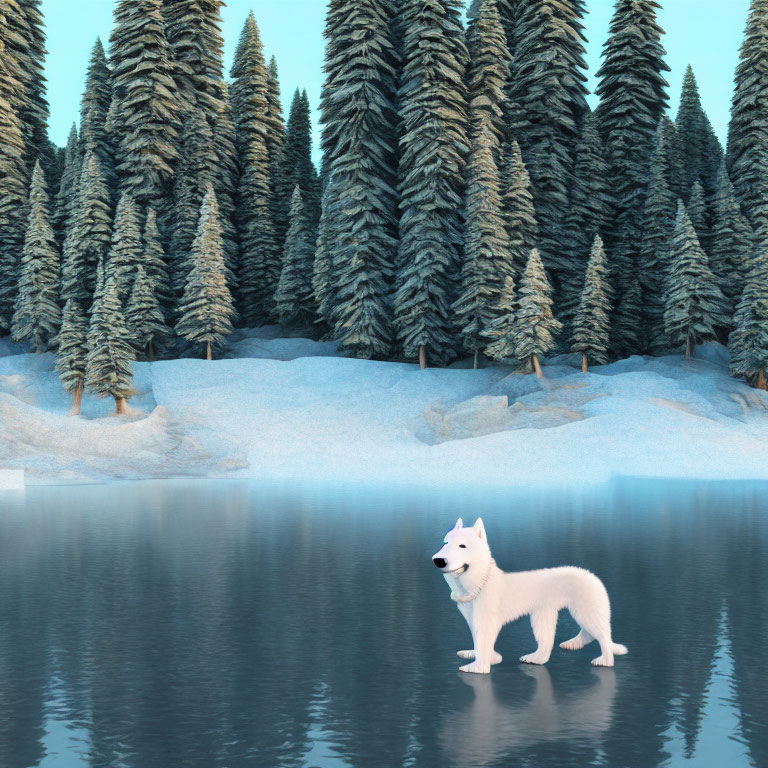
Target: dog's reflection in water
x=489, y=728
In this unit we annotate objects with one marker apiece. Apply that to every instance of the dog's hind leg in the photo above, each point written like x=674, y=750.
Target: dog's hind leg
x=543, y=622
x=578, y=642
x=496, y=658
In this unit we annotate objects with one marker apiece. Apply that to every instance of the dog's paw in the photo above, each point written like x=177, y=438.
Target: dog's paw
x=601, y=661
x=465, y=654
x=534, y=658
x=478, y=669
x=572, y=645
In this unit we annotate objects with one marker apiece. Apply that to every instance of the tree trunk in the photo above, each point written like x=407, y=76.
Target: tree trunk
x=584, y=363
x=77, y=401
x=760, y=384
x=537, y=366
x=208, y=351
x=689, y=348
x=150, y=352
x=477, y=358
x=422, y=357
x=119, y=405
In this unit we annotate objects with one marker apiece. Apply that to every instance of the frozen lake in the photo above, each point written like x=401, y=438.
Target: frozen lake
x=212, y=624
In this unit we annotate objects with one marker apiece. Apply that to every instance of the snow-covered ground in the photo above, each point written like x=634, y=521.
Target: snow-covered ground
x=288, y=409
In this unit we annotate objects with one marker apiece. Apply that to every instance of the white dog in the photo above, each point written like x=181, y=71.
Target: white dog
x=488, y=599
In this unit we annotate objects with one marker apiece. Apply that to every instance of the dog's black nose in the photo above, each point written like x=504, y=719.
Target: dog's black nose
x=439, y=562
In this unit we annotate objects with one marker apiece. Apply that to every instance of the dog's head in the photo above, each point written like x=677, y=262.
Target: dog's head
x=462, y=548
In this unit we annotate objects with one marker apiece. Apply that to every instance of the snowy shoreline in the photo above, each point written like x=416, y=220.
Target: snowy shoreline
x=288, y=411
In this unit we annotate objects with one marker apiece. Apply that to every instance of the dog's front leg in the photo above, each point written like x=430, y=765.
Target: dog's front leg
x=485, y=639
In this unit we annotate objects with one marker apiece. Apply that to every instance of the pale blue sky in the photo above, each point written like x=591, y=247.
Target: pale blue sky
x=704, y=33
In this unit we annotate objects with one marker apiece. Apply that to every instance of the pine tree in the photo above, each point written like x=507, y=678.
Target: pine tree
x=259, y=258
x=501, y=332
x=126, y=249
x=37, y=314
x=676, y=164
x=433, y=115
x=206, y=310
x=109, y=362
x=487, y=256
x=624, y=321
x=72, y=352
x=535, y=325
x=546, y=110
x=294, y=299
x=693, y=299
x=588, y=214
x=275, y=145
x=13, y=186
x=633, y=97
x=732, y=239
x=748, y=342
x=518, y=208
x=149, y=107
x=66, y=197
x=591, y=322
x=748, y=131
x=654, y=263
x=155, y=265
x=144, y=317
x=89, y=235
x=698, y=214
x=323, y=271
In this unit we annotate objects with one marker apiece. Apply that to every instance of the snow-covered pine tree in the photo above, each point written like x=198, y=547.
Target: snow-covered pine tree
x=501, y=332
x=624, y=320
x=360, y=132
x=72, y=352
x=66, y=197
x=654, y=262
x=676, y=163
x=323, y=273
x=487, y=255
x=206, y=310
x=748, y=130
x=155, y=264
x=37, y=315
x=732, y=240
x=226, y=183
x=433, y=145
x=149, y=106
x=698, y=213
x=89, y=235
x=748, y=342
x=591, y=323
x=126, y=249
x=535, y=325
x=259, y=257
x=109, y=362
x=94, y=108
x=275, y=144
x=13, y=186
x=144, y=317
x=633, y=97
x=588, y=214
x=694, y=301
x=294, y=298
x=547, y=101
x=518, y=208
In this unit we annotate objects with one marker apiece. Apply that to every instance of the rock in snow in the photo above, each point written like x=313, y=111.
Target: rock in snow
x=323, y=419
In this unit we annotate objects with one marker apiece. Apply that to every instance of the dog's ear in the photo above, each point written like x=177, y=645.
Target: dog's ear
x=479, y=529
x=459, y=525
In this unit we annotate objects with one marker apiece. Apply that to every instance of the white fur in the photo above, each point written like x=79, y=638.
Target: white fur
x=505, y=597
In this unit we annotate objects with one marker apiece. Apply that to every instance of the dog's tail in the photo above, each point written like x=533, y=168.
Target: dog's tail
x=619, y=649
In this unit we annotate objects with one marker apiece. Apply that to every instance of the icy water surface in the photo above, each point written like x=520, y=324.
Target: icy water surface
x=177, y=625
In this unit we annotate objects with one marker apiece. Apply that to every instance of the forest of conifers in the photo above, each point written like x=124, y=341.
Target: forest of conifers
x=468, y=204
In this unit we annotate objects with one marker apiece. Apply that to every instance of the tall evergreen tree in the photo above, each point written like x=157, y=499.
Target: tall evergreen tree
x=37, y=314
x=144, y=317
x=748, y=131
x=676, y=174
x=698, y=213
x=109, y=362
x=535, y=325
x=501, y=331
x=591, y=322
x=694, y=301
x=88, y=237
x=294, y=298
x=66, y=197
x=323, y=272
x=155, y=265
x=633, y=97
x=433, y=115
x=126, y=250
x=13, y=182
x=72, y=352
x=487, y=256
x=518, y=208
x=547, y=101
x=748, y=342
x=275, y=144
x=206, y=310
x=149, y=107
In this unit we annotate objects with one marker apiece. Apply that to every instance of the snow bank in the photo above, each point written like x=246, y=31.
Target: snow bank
x=285, y=410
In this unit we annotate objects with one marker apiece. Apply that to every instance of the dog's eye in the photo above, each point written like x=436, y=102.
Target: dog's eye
x=462, y=546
